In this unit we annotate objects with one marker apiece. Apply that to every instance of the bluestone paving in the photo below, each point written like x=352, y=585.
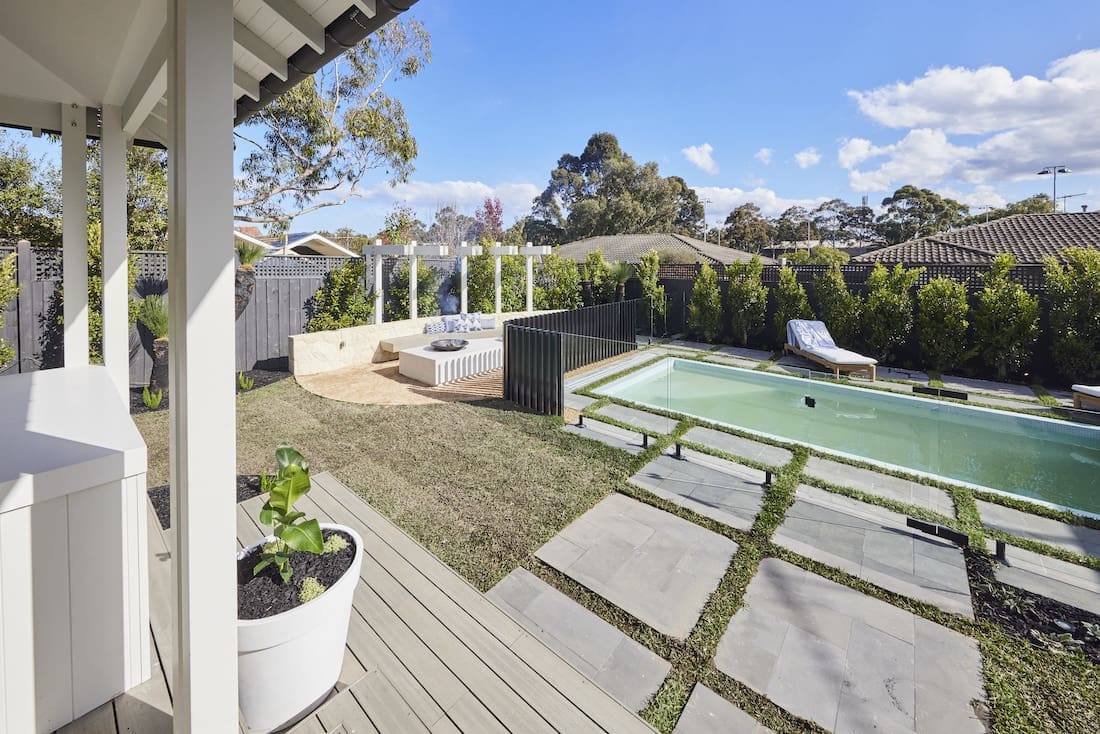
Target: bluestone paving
x=757, y=355
x=708, y=713
x=688, y=344
x=1000, y=389
x=652, y=564
x=847, y=661
x=721, y=490
x=1076, y=538
x=643, y=420
x=874, y=544
x=882, y=485
x=898, y=373
x=993, y=401
x=622, y=667
x=738, y=446
x=1078, y=586
x=578, y=402
x=731, y=361
x=575, y=382
x=614, y=436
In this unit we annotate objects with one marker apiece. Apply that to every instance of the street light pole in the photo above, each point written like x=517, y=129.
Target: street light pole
x=704, y=202
x=1053, y=170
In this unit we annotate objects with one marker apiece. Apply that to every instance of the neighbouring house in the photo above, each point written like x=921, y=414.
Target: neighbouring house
x=1028, y=237
x=630, y=248
x=298, y=243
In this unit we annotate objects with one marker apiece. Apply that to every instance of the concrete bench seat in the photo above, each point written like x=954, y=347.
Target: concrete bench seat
x=391, y=347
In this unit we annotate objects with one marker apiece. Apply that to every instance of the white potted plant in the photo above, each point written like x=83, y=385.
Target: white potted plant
x=292, y=623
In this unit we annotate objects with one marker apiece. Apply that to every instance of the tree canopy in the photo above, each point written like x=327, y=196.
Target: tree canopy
x=603, y=191
x=912, y=212
x=30, y=203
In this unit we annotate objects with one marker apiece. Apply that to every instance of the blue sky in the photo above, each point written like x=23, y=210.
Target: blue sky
x=777, y=103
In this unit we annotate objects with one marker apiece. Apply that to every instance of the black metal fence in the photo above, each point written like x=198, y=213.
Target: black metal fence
x=540, y=350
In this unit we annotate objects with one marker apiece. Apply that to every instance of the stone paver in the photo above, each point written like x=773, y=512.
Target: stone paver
x=742, y=447
x=881, y=384
x=883, y=485
x=721, y=490
x=606, y=433
x=643, y=420
x=708, y=713
x=874, y=544
x=652, y=564
x=729, y=361
x=991, y=401
x=578, y=402
x=618, y=664
x=1000, y=389
x=847, y=661
x=792, y=364
x=897, y=373
x=635, y=358
x=1069, y=583
x=1076, y=538
x=688, y=344
x=757, y=355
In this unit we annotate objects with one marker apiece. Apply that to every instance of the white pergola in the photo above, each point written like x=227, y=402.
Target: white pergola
x=180, y=74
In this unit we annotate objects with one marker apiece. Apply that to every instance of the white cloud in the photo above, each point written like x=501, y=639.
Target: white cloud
x=807, y=157
x=724, y=200
x=764, y=155
x=701, y=157
x=1021, y=124
x=466, y=196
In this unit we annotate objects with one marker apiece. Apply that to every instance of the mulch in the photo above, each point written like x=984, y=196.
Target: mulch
x=260, y=378
x=265, y=595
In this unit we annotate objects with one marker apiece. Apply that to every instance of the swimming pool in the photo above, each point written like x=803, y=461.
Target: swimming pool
x=1052, y=461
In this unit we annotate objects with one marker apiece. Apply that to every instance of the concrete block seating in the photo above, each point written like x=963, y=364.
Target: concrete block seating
x=432, y=367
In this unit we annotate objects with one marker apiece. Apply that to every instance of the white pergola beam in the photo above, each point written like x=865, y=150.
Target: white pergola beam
x=309, y=30
x=245, y=84
x=74, y=232
x=379, y=251
x=464, y=253
x=258, y=49
x=113, y=184
x=203, y=408
x=531, y=252
x=149, y=87
x=497, y=251
x=415, y=253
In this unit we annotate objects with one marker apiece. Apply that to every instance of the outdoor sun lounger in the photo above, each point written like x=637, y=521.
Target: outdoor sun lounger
x=1086, y=397
x=812, y=340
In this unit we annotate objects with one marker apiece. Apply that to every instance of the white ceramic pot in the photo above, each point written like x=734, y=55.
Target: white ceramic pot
x=287, y=664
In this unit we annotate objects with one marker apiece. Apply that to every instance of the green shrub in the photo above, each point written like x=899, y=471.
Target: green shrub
x=597, y=272
x=1006, y=321
x=790, y=303
x=153, y=313
x=557, y=284
x=481, y=287
x=249, y=253
x=705, y=309
x=151, y=398
x=838, y=307
x=1074, y=293
x=9, y=289
x=888, y=311
x=942, y=322
x=648, y=268
x=342, y=300
x=619, y=273
x=397, y=299
x=747, y=299
x=95, y=292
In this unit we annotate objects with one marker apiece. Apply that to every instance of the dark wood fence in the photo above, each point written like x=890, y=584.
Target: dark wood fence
x=277, y=309
x=540, y=350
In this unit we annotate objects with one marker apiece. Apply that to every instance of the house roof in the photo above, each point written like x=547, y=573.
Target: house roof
x=1028, y=237
x=631, y=247
x=309, y=243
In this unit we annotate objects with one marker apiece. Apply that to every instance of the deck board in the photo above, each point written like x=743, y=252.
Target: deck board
x=426, y=651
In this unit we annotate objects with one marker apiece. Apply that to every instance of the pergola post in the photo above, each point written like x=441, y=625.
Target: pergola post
x=203, y=405
x=497, y=251
x=464, y=252
x=379, y=296
x=116, y=323
x=74, y=232
x=415, y=253
x=530, y=252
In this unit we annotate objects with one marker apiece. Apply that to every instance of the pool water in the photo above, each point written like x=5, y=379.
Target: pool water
x=1055, y=462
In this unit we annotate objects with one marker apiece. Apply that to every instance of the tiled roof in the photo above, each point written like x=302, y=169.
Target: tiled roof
x=630, y=248
x=1029, y=237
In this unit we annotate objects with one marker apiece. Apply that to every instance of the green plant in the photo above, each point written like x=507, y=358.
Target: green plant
x=747, y=299
x=1074, y=294
x=311, y=589
x=342, y=300
x=335, y=543
x=1006, y=320
x=790, y=303
x=481, y=285
x=705, y=309
x=598, y=273
x=397, y=299
x=153, y=313
x=888, y=311
x=95, y=292
x=249, y=253
x=649, y=265
x=620, y=273
x=244, y=382
x=838, y=307
x=558, y=284
x=942, y=322
x=292, y=531
x=9, y=289
x=151, y=398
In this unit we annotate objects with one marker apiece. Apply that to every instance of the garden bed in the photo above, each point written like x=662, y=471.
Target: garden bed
x=248, y=486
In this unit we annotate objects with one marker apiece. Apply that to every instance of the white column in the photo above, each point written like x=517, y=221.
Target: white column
x=116, y=322
x=203, y=405
x=413, y=262
x=379, y=296
x=74, y=231
x=530, y=252
x=464, y=252
x=497, y=251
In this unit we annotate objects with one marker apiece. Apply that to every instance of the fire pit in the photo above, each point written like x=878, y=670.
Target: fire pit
x=449, y=345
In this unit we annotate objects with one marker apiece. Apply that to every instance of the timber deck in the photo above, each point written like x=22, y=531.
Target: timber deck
x=426, y=652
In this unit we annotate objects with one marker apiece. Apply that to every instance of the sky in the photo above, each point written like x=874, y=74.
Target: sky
x=776, y=103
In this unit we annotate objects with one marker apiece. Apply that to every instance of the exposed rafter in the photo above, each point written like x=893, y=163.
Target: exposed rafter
x=149, y=88
x=245, y=83
x=258, y=49
x=310, y=31
x=367, y=6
